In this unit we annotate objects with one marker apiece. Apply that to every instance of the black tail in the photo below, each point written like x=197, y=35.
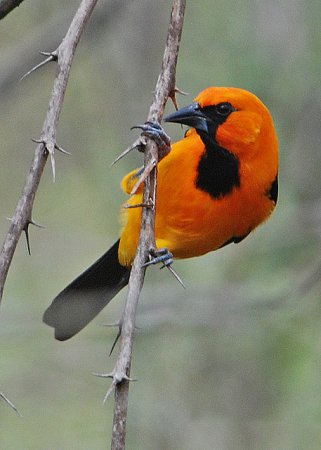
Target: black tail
x=87, y=295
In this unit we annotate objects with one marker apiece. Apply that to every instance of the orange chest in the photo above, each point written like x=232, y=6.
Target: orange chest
x=195, y=218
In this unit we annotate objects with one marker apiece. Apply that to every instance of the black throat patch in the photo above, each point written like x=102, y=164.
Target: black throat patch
x=218, y=169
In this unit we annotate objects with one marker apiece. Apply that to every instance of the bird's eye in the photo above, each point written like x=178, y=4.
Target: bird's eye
x=224, y=109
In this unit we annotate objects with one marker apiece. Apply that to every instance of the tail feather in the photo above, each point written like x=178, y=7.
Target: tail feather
x=87, y=295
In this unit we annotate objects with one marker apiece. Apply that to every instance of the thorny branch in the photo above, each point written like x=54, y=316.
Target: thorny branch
x=165, y=88
x=47, y=145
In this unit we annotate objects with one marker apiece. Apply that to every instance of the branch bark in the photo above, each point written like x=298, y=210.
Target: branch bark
x=22, y=217
x=165, y=88
x=7, y=6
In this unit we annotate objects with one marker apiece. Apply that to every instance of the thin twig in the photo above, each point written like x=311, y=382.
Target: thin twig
x=165, y=88
x=47, y=144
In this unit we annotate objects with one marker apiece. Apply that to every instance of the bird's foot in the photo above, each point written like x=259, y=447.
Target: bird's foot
x=156, y=132
x=162, y=255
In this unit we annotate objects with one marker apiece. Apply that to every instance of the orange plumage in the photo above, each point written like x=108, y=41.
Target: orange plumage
x=189, y=221
x=214, y=187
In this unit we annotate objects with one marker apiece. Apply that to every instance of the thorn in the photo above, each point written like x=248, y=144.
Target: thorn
x=115, y=340
x=164, y=256
x=115, y=324
x=140, y=205
x=172, y=96
x=50, y=147
x=110, y=390
x=26, y=230
x=5, y=399
x=38, y=225
x=126, y=378
x=117, y=378
x=52, y=56
x=143, y=176
x=179, y=91
x=38, y=141
x=60, y=149
x=139, y=143
x=57, y=147
x=178, y=278
x=103, y=375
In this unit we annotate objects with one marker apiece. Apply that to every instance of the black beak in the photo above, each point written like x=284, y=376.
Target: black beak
x=191, y=115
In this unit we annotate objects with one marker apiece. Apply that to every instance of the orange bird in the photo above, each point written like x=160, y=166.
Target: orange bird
x=215, y=186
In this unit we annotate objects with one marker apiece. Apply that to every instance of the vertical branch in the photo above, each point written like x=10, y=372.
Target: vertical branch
x=165, y=88
x=22, y=217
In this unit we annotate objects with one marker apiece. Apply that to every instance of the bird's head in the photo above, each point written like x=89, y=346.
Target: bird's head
x=233, y=118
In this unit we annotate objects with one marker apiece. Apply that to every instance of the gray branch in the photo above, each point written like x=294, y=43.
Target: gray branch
x=165, y=88
x=22, y=217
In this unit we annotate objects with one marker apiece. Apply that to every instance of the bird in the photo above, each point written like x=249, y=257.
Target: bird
x=214, y=187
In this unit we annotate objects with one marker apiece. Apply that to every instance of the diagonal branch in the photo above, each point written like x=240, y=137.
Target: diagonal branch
x=47, y=142
x=165, y=88
x=7, y=6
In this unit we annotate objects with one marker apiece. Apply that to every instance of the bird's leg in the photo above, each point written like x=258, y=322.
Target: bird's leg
x=156, y=132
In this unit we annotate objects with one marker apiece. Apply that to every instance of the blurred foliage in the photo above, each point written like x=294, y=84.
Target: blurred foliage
x=234, y=361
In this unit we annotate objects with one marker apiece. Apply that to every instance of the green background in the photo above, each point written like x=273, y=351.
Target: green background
x=234, y=361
